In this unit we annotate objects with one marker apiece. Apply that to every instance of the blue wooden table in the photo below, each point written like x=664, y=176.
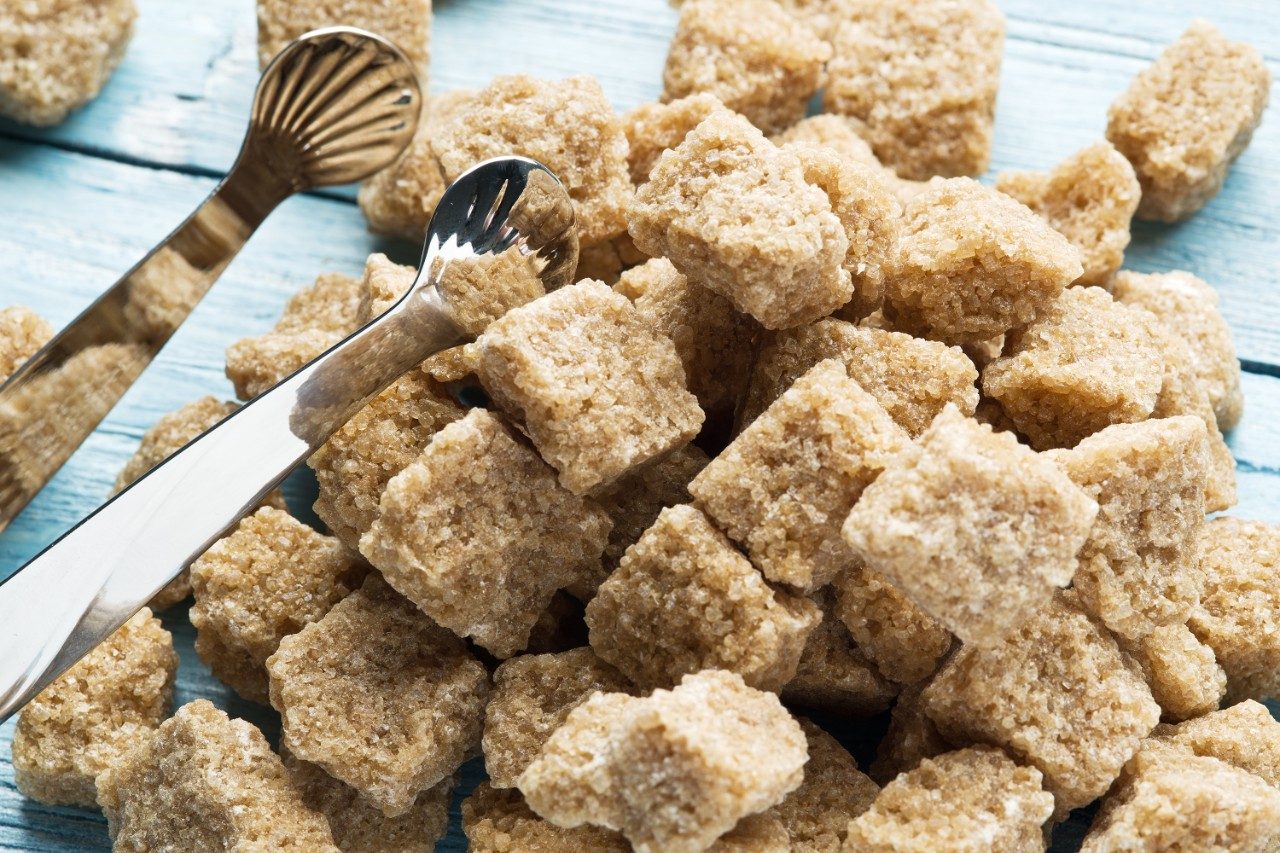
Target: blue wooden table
x=80, y=203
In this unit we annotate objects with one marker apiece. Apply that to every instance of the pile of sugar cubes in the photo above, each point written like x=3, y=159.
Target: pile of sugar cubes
x=825, y=427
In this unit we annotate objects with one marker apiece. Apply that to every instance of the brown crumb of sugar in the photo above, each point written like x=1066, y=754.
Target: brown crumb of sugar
x=759, y=60
x=905, y=643
x=683, y=599
x=972, y=799
x=910, y=738
x=204, y=781
x=785, y=485
x=777, y=248
x=1139, y=568
x=1087, y=362
x=842, y=134
x=497, y=820
x=975, y=528
x=923, y=77
x=1186, y=117
x=407, y=24
x=532, y=696
x=379, y=696
x=1089, y=198
x=912, y=379
x=1057, y=693
x=834, y=676
x=91, y=716
x=268, y=579
x=834, y=791
x=654, y=128
x=672, y=771
x=1244, y=735
x=22, y=333
x=599, y=392
x=974, y=264
x=1237, y=615
x=1181, y=671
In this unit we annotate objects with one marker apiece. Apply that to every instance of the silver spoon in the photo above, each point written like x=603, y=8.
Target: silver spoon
x=78, y=591
x=334, y=106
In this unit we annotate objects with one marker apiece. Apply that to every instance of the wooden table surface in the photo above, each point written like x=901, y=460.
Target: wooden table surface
x=80, y=203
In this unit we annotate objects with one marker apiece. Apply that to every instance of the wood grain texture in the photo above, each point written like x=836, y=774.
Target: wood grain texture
x=81, y=202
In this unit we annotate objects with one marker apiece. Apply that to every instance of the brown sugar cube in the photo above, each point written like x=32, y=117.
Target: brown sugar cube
x=498, y=820
x=683, y=600
x=910, y=738
x=973, y=264
x=1186, y=117
x=478, y=533
x=532, y=696
x=203, y=781
x=923, y=77
x=1181, y=671
x=316, y=318
x=785, y=485
x=975, y=528
x=756, y=58
x=1170, y=799
x=22, y=333
x=270, y=578
x=1239, y=605
x=1086, y=363
x=57, y=56
x=672, y=771
x=905, y=643
x=567, y=125
x=607, y=261
x=399, y=200
x=1188, y=307
x=912, y=379
x=834, y=675
x=715, y=343
x=359, y=827
x=734, y=213
x=407, y=24
x=842, y=134
x=379, y=696
x=1057, y=693
x=1089, y=198
x=973, y=799
x=1244, y=735
x=88, y=719
x=598, y=390
x=817, y=814
x=654, y=128
x=756, y=833
x=1139, y=569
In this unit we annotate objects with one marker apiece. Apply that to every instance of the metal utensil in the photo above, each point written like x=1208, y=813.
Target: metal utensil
x=334, y=106
x=78, y=591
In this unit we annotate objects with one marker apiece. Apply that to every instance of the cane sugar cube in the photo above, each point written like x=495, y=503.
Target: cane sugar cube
x=683, y=600
x=359, y=827
x=784, y=487
x=756, y=58
x=379, y=696
x=1170, y=799
x=270, y=578
x=834, y=791
x=834, y=676
x=22, y=333
x=532, y=696
x=1086, y=363
x=672, y=771
x=975, y=528
x=844, y=135
x=607, y=261
x=654, y=128
x=715, y=343
x=905, y=643
x=479, y=290
x=974, y=264
x=204, y=781
x=1139, y=569
x=57, y=56
x=1188, y=307
x=756, y=833
x=735, y=214
x=1181, y=671
x=1186, y=117
x=354, y=466
x=598, y=390
x=1090, y=199
x=497, y=820
x=316, y=318
x=923, y=77
x=91, y=716
x=912, y=379
x=567, y=125
x=1057, y=693
x=1239, y=605
x=1244, y=736
x=407, y=24
x=911, y=737
x=974, y=800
